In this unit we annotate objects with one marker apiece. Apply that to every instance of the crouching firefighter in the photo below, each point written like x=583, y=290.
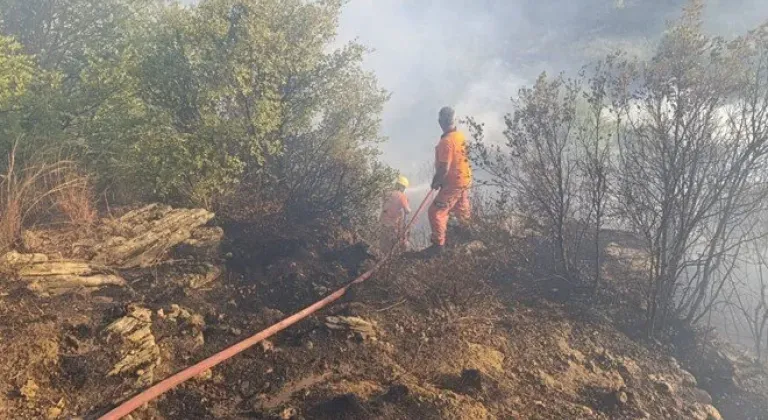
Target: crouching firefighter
x=393, y=214
x=453, y=178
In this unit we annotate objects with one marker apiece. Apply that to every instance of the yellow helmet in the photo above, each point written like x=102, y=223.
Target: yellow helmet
x=403, y=181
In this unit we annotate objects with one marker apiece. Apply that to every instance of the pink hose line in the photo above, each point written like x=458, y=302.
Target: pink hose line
x=171, y=382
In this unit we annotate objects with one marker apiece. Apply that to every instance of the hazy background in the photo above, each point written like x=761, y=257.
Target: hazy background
x=475, y=54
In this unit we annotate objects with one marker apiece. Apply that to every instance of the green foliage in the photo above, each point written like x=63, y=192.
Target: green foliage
x=16, y=73
x=184, y=104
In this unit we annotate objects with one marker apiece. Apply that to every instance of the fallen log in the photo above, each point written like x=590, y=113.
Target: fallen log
x=56, y=285
x=152, y=239
x=56, y=268
x=13, y=260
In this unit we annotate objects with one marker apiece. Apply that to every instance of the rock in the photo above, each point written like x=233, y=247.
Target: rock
x=29, y=390
x=608, y=360
x=712, y=413
x=673, y=363
x=629, y=369
x=613, y=400
x=622, y=398
x=546, y=380
x=357, y=325
x=662, y=384
x=688, y=379
x=584, y=411
x=288, y=413
x=701, y=396
x=267, y=346
x=207, y=375
x=55, y=412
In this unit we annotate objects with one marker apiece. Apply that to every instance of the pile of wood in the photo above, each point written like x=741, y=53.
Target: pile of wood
x=139, y=239
x=139, y=350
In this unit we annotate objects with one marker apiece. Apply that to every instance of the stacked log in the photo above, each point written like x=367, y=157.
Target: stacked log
x=139, y=239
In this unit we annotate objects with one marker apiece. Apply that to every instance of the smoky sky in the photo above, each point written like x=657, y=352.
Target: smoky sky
x=475, y=55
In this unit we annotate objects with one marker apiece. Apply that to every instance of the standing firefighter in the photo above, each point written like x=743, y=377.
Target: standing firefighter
x=393, y=215
x=453, y=177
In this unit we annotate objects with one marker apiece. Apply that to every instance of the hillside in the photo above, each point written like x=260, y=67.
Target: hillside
x=469, y=336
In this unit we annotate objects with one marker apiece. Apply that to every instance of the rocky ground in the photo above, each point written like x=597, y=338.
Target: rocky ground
x=89, y=316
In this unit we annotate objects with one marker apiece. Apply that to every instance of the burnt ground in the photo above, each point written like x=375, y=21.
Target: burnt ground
x=476, y=334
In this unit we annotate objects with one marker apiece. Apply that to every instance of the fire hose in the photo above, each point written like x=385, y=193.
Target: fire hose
x=178, y=378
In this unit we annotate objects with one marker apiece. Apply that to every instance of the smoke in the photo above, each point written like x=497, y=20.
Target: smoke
x=476, y=54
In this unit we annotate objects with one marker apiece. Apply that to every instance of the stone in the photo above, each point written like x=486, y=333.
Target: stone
x=55, y=411
x=584, y=411
x=288, y=413
x=629, y=369
x=701, y=396
x=622, y=398
x=267, y=346
x=688, y=380
x=206, y=376
x=546, y=380
x=29, y=390
x=712, y=413
x=662, y=384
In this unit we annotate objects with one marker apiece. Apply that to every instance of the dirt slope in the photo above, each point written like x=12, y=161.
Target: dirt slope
x=467, y=337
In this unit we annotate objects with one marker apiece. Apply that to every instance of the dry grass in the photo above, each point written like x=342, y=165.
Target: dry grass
x=73, y=196
x=37, y=189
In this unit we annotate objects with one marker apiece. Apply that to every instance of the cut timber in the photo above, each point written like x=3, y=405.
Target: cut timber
x=60, y=284
x=58, y=277
x=56, y=268
x=13, y=260
x=147, y=240
x=139, y=352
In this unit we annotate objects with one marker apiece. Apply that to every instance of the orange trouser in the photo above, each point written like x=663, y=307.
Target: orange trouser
x=448, y=201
